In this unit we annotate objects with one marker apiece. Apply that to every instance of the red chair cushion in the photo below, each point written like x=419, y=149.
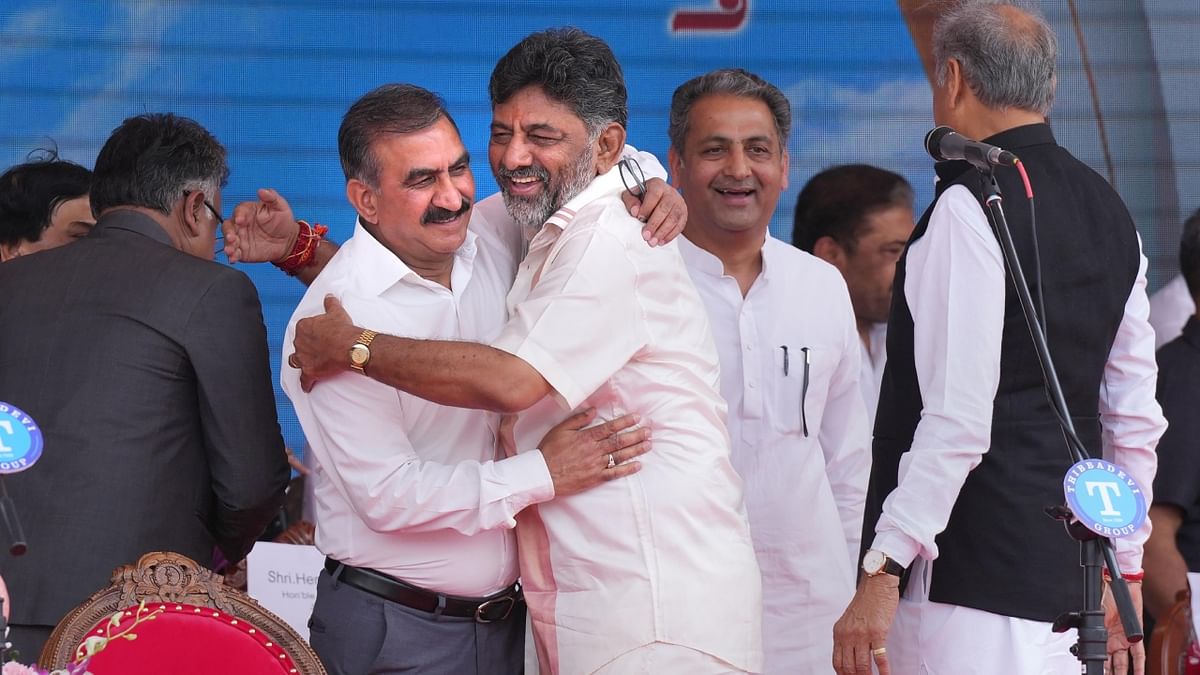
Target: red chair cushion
x=188, y=640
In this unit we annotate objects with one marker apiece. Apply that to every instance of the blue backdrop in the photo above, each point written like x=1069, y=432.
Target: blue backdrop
x=271, y=79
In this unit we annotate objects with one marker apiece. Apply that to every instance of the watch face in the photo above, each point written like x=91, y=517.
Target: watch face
x=873, y=561
x=359, y=354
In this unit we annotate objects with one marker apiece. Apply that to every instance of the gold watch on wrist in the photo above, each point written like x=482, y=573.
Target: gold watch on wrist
x=360, y=352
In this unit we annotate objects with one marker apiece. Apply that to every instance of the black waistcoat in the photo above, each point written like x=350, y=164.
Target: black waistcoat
x=1000, y=552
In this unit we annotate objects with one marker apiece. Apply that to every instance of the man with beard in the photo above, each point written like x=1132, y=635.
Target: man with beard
x=413, y=507
x=654, y=573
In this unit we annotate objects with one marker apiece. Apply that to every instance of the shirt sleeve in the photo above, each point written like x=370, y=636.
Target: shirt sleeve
x=359, y=438
x=844, y=436
x=955, y=291
x=583, y=320
x=227, y=347
x=651, y=167
x=1130, y=417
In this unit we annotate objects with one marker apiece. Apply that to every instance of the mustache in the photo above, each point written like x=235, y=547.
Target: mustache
x=531, y=171
x=438, y=214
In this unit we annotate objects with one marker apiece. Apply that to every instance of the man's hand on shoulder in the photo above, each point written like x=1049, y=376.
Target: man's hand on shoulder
x=322, y=344
x=580, y=457
x=662, y=209
x=262, y=231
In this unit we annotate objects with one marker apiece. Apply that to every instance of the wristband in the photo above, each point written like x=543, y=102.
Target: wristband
x=1131, y=577
x=304, y=250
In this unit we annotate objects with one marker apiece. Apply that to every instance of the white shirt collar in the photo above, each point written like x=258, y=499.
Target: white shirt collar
x=385, y=269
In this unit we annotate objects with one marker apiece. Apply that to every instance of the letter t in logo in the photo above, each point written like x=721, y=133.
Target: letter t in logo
x=1104, y=487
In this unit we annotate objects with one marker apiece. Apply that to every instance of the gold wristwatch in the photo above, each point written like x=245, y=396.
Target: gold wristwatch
x=360, y=353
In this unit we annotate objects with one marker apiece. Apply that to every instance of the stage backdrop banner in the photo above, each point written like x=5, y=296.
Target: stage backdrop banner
x=272, y=79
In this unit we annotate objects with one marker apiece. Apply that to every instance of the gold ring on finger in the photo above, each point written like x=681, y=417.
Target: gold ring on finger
x=879, y=651
x=293, y=361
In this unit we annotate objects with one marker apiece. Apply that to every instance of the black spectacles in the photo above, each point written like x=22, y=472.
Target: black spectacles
x=220, y=236
x=631, y=172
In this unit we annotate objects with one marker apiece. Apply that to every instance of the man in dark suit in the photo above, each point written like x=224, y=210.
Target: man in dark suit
x=145, y=365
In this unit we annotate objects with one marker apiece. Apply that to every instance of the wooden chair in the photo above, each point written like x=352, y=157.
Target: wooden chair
x=1170, y=639
x=187, y=621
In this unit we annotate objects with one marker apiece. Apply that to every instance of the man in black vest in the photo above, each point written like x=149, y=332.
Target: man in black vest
x=967, y=450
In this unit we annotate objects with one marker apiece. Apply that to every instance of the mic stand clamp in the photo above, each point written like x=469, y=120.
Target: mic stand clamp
x=1095, y=551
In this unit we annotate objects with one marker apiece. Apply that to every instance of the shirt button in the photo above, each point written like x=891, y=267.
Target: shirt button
x=751, y=384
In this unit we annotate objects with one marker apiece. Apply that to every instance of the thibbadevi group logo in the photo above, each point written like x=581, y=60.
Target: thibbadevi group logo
x=20, y=439
x=1105, y=498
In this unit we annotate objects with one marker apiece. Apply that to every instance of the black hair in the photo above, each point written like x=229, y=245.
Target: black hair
x=389, y=109
x=30, y=192
x=836, y=203
x=573, y=68
x=152, y=159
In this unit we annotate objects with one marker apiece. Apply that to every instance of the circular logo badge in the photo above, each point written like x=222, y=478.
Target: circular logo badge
x=1105, y=498
x=20, y=439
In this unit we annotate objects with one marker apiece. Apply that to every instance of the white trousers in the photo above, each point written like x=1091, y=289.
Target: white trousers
x=931, y=638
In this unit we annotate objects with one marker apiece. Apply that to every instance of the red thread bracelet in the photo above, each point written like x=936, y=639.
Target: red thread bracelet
x=1134, y=577
x=304, y=250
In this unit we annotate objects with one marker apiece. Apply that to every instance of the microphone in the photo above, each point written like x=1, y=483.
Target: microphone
x=21, y=444
x=944, y=143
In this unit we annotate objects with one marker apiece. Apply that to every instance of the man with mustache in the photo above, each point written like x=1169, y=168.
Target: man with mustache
x=412, y=505
x=655, y=573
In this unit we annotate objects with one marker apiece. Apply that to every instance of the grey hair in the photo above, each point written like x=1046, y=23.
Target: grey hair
x=1008, y=60
x=732, y=82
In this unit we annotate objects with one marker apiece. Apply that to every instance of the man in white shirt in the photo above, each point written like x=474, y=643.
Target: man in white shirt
x=655, y=573
x=789, y=352
x=413, y=506
x=967, y=451
x=858, y=218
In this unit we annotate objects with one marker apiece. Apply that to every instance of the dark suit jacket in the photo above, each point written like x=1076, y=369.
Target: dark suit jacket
x=147, y=369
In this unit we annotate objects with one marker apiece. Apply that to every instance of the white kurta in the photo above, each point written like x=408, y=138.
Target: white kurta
x=874, y=359
x=804, y=493
x=664, y=555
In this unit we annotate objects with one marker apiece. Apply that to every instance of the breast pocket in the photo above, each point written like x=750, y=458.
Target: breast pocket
x=800, y=388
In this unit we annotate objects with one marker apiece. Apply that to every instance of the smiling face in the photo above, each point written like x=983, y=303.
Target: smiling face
x=541, y=155
x=732, y=167
x=421, y=206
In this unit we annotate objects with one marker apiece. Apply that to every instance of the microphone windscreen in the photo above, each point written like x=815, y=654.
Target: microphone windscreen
x=933, y=141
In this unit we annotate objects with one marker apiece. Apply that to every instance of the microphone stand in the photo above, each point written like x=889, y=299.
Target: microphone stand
x=1094, y=551
x=3, y=635
x=12, y=524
